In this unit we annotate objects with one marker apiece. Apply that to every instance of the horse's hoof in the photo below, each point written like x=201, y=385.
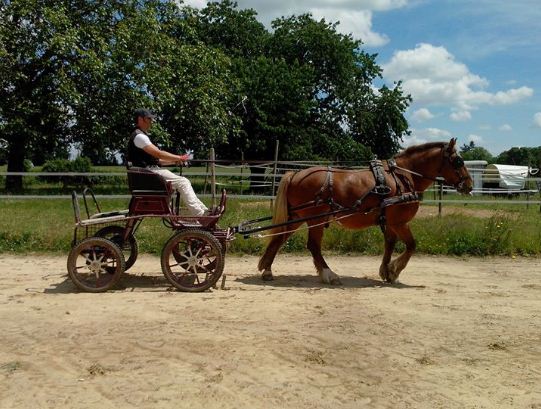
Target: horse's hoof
x=267, y=277
x=336, y=281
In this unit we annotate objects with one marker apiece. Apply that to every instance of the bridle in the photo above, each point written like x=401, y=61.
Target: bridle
x=455, y=161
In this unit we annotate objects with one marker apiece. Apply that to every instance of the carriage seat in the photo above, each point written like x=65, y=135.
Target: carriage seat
x=151, y=193
x=143, y=181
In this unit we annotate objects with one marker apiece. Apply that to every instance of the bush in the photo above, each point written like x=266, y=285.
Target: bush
x=79, y=165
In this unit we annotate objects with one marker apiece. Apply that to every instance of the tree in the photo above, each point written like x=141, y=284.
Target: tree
x=467, y=147
x=477, y=153
x=72, y=72
x=36, y=43
x=518, y=156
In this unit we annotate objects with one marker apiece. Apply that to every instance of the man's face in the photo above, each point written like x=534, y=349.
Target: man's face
x=145, y=122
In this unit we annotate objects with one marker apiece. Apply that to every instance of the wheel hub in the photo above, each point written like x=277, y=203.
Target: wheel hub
x=193, y=262
x=95, y=266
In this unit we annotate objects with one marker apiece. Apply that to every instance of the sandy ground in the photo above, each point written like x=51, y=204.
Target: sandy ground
x=455, y=333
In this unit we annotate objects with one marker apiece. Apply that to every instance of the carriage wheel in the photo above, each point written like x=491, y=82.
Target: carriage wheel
x=192, y=260
x=129, y=247
x=95, y=264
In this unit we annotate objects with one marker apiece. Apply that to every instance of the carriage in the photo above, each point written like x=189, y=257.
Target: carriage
x=104, y=245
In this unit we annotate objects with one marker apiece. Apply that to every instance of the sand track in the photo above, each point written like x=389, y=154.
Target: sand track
x=455, y=333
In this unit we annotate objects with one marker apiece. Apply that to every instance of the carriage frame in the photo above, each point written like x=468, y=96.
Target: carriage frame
x=104, y=245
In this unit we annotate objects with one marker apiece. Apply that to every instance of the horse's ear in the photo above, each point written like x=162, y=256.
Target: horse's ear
x=452, y=144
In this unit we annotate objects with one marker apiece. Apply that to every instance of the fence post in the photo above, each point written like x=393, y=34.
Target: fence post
x=241, y=171
x=274, y=171
x=213, y=176
x=440, y=196
x=206, y=178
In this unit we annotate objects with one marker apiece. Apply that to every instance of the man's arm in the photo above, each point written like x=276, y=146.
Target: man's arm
x=164, y=157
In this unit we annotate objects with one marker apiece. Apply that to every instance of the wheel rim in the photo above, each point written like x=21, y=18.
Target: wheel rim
x=192, y=261
x=95, y=264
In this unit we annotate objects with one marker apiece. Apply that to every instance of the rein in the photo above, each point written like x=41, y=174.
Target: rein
x=395, y=166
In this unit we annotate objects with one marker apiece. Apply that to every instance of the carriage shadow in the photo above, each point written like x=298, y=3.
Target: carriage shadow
x=313, y=282
x=127, y=282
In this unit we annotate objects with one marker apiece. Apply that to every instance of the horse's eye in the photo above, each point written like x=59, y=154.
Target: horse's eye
x=458, y=162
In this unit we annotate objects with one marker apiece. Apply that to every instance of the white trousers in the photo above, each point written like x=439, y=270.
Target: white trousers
x=182, y=185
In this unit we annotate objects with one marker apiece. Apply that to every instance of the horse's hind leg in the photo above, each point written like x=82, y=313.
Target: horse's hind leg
x=390, y=241
x=398, y=264
x=266, y=260
x=315, y=236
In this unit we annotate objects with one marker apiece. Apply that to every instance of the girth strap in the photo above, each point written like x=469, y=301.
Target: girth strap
x=406, y=197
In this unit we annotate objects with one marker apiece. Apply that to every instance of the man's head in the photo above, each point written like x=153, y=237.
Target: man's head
x=143, y=118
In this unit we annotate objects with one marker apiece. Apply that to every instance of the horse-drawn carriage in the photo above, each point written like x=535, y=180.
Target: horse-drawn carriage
x=104, y=244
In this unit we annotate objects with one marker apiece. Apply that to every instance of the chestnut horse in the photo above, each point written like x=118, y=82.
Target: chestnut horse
x=361, y=198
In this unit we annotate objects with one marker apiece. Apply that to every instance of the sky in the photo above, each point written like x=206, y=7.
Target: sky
x=472, y=67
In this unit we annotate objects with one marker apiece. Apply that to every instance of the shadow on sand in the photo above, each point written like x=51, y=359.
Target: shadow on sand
x=313, y=282
x=127, y=282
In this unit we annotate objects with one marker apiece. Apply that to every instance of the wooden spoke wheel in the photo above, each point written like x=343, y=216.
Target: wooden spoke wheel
x=129, y=247
x=192, y=260
x=95, y=264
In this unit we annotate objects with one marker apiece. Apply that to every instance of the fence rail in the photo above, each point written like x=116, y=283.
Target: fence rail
x=240, y=179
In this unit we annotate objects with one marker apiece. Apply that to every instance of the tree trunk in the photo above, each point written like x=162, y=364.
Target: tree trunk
x=16, y=151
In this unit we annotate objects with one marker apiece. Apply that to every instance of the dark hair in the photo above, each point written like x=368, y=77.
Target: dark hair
x=142, y=113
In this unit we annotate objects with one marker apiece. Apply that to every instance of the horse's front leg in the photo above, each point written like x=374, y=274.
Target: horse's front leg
x=315, y=235
x=390, y=241
x=398, y=264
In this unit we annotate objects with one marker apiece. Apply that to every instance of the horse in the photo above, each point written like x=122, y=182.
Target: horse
x=387, y=196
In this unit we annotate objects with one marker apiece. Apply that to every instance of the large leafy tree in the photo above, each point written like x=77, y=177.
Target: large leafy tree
x=307, y=85
x=73, y=71
x=521, y=156
x=37, y=43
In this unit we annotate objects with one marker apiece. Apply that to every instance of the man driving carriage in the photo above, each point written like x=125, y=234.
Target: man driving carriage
x=143, y=153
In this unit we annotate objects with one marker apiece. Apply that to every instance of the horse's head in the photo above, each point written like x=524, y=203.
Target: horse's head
x=453, y=169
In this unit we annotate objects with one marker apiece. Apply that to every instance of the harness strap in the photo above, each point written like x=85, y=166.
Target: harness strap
x=327, y=185
x=381, y=188
x=406, y=197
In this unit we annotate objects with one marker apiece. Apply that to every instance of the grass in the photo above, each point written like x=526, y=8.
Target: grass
x=47, y=226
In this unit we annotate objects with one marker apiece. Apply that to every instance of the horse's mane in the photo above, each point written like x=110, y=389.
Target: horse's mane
x=420, y=148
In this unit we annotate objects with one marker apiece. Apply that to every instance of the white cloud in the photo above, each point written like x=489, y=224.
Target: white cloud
x=505, y=128
x=460, y=116
x=422, y=115
x=358, y=23
x=426, y=135
x=537, y=119
x=437, y=133
x=433, y=76
x=355, y=16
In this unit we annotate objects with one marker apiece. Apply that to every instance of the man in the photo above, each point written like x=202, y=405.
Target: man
x=143, y=153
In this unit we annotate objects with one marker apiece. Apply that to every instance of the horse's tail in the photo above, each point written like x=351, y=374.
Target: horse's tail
x=280, y=212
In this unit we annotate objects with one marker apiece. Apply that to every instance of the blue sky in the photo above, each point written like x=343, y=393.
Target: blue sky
x=473, y=67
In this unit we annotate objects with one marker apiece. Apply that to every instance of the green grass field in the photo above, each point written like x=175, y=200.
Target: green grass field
x=47, y=226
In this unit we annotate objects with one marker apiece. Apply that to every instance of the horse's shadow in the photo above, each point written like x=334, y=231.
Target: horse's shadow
x=313, y=282
x=127, y=282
